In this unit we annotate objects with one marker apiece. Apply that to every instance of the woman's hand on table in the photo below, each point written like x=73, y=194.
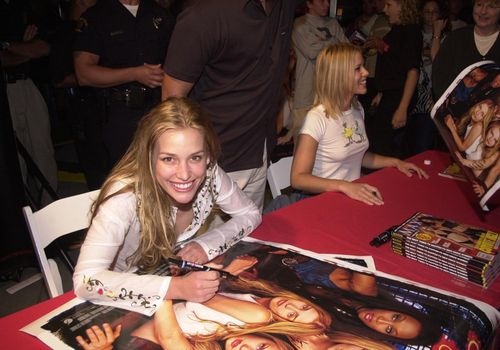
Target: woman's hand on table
x=99, y=339
x=409, y=169
x=193, y=252
x=362, y=192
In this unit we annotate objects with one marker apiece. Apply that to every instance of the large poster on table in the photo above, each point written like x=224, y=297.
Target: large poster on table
x=468, y=118
x=288, y=299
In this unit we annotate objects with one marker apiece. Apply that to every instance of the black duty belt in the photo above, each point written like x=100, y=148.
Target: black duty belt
x=134, y=96
x=81, y=92
x=11, y=78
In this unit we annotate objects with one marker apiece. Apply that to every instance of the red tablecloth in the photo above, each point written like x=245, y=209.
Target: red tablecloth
x=13, y=338
x=333, y=223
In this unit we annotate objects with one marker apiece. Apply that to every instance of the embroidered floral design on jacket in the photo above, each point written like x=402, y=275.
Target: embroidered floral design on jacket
x=136, y=300
x=221, y=249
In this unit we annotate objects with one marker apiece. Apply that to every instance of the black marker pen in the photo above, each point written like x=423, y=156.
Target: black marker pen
x=384, y=237
x=183, y=264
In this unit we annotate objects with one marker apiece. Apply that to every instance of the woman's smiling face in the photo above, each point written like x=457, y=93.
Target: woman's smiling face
x=180, y=163
x=486, y=14
x=360, y=75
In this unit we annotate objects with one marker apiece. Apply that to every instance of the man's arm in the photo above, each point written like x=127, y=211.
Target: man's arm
x=32, y=49
x=174, y=87
x=11, y=60
x=20, y=52
x=90, y=73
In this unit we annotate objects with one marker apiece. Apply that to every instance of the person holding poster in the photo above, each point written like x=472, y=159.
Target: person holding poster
x=152, y=206
x=474, y=43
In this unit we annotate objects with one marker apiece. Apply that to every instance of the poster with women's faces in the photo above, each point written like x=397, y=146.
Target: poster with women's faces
x=288, y=299
x=468, y=118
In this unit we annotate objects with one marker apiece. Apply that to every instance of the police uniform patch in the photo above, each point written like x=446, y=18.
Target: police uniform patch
x=157, y=22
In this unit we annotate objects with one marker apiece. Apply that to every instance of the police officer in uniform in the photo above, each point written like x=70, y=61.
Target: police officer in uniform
x=23, y=41
x=119, y=52
x=83, y=109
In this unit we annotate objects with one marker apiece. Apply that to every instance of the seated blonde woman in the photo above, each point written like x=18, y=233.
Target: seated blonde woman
x=332, y=144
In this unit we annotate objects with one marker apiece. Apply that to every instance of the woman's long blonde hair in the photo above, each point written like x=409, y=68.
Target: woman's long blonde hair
x=136, y=171
x=333, y=78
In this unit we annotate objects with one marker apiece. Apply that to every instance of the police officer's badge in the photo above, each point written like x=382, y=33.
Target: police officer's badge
x=81, y=24
x=157, y=22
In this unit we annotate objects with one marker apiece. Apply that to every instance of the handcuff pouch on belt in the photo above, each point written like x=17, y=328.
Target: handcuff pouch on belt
x=132, y=96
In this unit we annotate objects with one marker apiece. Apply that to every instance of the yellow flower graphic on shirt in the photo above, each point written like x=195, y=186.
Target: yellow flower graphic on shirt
x=353, y=134
x=348, y=132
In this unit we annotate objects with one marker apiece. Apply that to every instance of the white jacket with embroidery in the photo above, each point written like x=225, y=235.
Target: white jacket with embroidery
x=102, y=274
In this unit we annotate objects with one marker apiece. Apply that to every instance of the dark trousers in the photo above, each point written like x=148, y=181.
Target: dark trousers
x=384, y=139
x=421, y=133
x=120, y=126
x=87, y=116
x=121, y=123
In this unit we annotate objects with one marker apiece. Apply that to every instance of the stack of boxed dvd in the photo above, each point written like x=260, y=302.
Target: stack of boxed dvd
x=465, y=251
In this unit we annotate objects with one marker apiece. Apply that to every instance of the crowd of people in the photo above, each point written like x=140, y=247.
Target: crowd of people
x=174, y=105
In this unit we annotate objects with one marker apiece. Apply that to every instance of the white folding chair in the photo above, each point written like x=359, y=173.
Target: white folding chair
x=57, y=219
x=278, y=175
